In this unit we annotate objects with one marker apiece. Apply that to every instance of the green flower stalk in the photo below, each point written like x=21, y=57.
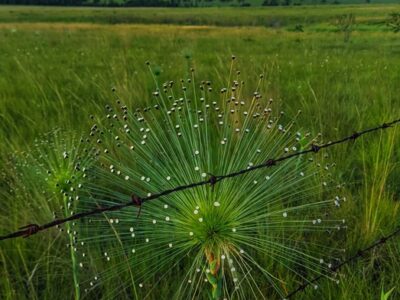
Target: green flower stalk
x=214, y=275
x=248, y=237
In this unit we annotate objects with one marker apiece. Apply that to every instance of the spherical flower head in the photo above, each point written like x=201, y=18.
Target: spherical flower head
x=52, y=170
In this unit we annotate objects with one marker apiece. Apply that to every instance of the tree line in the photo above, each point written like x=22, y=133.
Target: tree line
x=159, y=3
x=164, y=3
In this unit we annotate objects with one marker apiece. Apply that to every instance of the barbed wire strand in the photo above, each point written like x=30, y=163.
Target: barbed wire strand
x=360, y=253
x=32, y=229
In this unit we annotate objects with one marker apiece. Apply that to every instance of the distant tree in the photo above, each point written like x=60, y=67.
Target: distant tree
x=243, y=3
x=145, y=3
x=175, y=3
x=298, y=28
x=345, y=24
x=270, y=3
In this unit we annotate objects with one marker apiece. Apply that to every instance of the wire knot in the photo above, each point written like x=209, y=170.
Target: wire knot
x=385, y=125
x=315, y=148
x=270, y=162
x=383, y=240
x=213, y=180
x=355, y=135
x=137, y=201
x=30, y=229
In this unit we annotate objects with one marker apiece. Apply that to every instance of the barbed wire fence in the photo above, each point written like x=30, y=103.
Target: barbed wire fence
x=360, y=253
x=31, y=229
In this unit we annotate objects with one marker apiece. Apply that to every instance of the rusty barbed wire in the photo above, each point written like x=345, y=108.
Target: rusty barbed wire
x=137, y=201
x=360, y=253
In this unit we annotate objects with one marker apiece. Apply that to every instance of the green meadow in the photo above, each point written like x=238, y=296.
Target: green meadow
x=317, y=16
x=58, y=67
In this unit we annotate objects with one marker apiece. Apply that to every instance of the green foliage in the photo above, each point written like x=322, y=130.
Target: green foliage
x=298, y=28
x=385, y=296
x=394, y=22
x=58, y=74
x=345, y=24
x=185, y=3
x=270, y=3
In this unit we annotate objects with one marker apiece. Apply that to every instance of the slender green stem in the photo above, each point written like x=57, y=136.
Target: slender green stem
x=73, y=256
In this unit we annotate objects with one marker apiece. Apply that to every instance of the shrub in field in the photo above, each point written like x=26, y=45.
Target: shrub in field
x=394, y=22
x=345, y=24
x=298, y=28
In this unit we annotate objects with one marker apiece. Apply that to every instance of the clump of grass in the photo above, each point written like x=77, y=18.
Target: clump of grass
x=345, y=24
x=394, y=22
x=249, y=236
x=45, y=179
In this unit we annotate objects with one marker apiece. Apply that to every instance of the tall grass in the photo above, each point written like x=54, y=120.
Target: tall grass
x=57, y=75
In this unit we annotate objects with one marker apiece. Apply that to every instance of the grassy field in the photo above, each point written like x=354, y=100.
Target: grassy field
x=372, y=17
x=58, y=66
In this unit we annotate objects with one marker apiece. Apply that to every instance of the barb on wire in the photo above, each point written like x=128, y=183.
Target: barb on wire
x=360, y=253
x=32, y=229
